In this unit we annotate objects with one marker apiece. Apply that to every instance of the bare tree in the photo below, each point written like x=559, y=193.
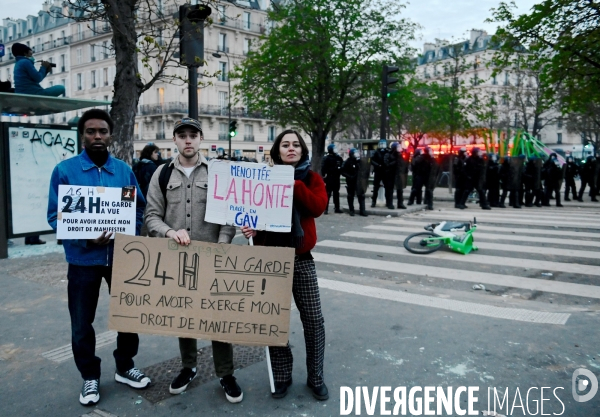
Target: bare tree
x=142, y=32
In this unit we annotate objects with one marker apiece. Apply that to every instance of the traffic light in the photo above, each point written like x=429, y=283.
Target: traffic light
x=387, y=80
x=191, y=30
x=233, y=128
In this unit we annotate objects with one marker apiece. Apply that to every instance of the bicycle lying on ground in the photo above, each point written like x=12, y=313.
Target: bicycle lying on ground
x=442, y=233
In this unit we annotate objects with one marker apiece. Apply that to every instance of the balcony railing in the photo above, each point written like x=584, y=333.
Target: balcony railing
x=177, y=107
x=160, y=135
x=222, y=48
x=223, y=136
x=240, y=24
x=166, y=108
x=248, y=138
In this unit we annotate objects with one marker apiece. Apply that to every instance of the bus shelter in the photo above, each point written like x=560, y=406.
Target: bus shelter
x=28, y=154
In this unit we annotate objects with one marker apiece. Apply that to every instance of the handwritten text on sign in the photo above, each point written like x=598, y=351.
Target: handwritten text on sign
x=85, y=212
x=249, y=194
x=232, y=293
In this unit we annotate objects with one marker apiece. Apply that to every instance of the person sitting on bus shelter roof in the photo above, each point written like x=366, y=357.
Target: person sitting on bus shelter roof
x=27, y=78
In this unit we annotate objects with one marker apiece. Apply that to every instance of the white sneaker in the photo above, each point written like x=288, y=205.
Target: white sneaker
x=89, y=392
x=134, y=378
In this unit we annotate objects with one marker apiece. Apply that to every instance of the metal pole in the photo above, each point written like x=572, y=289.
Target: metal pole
x=383, y=120
x=229, y=97
x=193, y=93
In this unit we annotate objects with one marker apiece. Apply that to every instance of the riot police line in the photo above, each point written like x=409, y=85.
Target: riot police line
x=492, y=181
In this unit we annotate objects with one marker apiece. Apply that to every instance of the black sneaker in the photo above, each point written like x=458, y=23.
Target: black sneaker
x=233, y=392
x=180, y=383
x=134, y=378
x=89, y=392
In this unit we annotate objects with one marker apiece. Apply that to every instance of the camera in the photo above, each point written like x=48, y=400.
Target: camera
x=52, y=65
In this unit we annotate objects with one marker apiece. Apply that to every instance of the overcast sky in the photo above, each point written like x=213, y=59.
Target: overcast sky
x=444, y=19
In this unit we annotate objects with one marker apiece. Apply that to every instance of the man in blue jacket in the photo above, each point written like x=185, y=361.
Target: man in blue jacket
x=91, y=260
x=27, y=78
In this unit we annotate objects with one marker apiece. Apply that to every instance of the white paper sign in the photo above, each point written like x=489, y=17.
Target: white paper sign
x=250, y=194
x=85, y=212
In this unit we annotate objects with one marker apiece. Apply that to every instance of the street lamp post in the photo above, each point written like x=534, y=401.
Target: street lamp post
x=218, y=55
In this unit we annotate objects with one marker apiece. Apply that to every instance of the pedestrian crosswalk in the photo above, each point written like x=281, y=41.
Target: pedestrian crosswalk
x=554, y=252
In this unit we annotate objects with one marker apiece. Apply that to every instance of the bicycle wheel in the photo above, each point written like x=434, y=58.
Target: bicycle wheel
x=420, y=244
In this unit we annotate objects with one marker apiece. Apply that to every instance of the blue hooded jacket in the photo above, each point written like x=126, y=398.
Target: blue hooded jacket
x=80, y=170
x=27, y=78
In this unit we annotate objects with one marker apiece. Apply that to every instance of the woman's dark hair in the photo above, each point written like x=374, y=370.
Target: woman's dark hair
x=148, y=151
x=95, y=114
x=275, y=156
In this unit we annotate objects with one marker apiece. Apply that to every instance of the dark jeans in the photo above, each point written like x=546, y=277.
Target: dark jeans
x=83, y=291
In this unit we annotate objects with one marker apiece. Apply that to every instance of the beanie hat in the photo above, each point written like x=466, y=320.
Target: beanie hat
x=19, y=49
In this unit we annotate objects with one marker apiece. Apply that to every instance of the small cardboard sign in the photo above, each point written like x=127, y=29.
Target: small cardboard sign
x=231, y=293
x=85, y=212
x=250, y=194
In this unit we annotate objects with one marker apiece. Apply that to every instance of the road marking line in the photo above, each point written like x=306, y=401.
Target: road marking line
x=532, y=284
x=466, y=307
x=481, y=233
x=477, y=259
x=64, y=353
x=573, y=216
x=503, y=229
x=490, y=246
x=467, y=217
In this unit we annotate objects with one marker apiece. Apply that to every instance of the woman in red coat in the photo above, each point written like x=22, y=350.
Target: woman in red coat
x=310, y=201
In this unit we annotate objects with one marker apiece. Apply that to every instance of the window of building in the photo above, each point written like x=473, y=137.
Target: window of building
x=92, y=53
x=223, y=100
x=62, y=63
x=247, y=45
x=248, y=133
x=559, y=123
x=559, y=138
x=504, y=100
x=494, y=80
x=93, y=79
x=246, y=21
x=223, y=42
x=79, y=82
x=223, y=131
x=271, y=133
x=105, y=76
x=105, y=49
x=221, y=10
x=223, y=71
x=506, y=78
x=78, y=55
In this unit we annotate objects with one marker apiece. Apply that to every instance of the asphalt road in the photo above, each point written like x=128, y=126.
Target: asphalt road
x=392, y=320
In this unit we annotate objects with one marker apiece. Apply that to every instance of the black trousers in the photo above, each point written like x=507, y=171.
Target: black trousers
x=388, y=184
x=584, y=183
x=333, y=187
x=378, y=178
x=416, y=191
x=570, y=187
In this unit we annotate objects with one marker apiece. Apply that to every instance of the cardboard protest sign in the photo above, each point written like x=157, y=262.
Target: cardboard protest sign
x=85, y=212
x=250, y=194
x=231, y=293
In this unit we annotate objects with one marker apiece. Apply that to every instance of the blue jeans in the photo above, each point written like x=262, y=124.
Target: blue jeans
x=54, y=91
x=83, y=291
